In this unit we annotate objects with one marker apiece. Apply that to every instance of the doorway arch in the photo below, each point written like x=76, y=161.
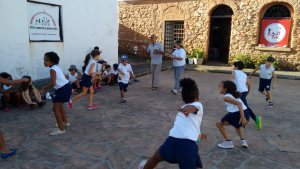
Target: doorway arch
x=220, y=32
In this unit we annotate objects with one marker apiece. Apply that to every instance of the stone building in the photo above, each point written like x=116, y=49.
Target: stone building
x=222, y=28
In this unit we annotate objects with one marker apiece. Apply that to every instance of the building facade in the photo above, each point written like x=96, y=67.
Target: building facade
x=222, y=28
x=69, y=28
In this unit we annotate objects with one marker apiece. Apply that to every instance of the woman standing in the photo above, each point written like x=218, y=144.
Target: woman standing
x=178, y=56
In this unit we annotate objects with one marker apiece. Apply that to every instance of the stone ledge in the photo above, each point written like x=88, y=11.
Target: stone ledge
x=273, y=49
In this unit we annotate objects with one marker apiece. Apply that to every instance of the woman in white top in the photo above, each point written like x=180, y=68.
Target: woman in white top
x=178, y=56
x=62, y=88
x=237, y=115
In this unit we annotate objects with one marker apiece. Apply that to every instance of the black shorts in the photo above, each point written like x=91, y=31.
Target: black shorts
x=86, y=81
x=181, y=151
x=63, y=94
x=264, y=84
x=123, y=86
x=234, y=118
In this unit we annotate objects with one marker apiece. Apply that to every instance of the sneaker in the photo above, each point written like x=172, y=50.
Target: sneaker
x=6, y=155
x=270, y=104
x=92, y=107
x=65, y=124
x=57, y=132
x=123, y=100
x=142, y=164
x=174, y=91
x=70, y=104
x=258, y=123
x=226, y=145
x=244, y=143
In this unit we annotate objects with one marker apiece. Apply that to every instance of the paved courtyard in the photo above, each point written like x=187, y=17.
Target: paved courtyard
x=118, y=136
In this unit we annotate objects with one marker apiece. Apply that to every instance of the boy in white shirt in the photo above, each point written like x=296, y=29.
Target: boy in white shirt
x=180, y=147
x=125, y=72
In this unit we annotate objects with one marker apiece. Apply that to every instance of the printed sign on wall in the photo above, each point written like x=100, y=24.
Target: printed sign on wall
x=43, y=21
x=275, y=32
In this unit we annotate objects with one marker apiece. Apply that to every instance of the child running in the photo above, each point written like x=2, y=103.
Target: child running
x=63, y=91
x=237, y=116
x=86, y=81
x=180, y=147
x=243, y=86
x=125, y=72
x=266, y=74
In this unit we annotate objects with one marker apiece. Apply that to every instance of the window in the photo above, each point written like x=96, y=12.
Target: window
x=275, y=27
x=174, y=30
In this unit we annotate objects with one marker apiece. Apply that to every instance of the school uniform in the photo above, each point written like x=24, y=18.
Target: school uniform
x=233, y=116
x=265, y=77
x=180, y=147
x=72, y=79
x=240, y=81
x=123, y=82
x=63, y=90
x=86, y=79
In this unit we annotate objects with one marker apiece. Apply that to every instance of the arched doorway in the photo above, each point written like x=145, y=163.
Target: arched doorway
x=220, y=31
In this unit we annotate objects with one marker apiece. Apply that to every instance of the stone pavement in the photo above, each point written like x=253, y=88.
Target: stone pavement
x=118, y=136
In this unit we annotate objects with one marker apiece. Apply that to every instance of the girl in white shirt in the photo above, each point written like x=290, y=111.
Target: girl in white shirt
x=179, y=56
x=237, y=115
x=62, y=88
x=180, y=147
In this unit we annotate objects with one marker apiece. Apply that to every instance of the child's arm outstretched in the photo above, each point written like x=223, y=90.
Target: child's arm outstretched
x=256, y=69
x=243, y=119
x=52, y=82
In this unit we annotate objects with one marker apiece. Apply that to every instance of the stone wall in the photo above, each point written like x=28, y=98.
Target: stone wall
x=138, y=19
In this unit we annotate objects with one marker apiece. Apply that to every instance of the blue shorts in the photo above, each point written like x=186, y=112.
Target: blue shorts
x=234, y=118
x=63, y=94
x=181, y=151
x=86, y=81
x=123, y=86
x=264, y=84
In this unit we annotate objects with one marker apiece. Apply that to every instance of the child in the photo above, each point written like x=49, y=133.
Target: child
x=113, y=74
x=105, y=75
x=86, y=81
x=180, y=147
x=30, y=94
x=243, y=86
x=63, y=91
x=9, y=93
x=74, y=78
x=125, y=72
x=237, y=115
x=266, y=74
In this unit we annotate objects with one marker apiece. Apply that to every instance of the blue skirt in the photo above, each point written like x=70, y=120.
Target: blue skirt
x=63, y=94
x=86, y=80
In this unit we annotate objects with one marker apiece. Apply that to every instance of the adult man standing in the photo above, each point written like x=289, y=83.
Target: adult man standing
x=155, y=51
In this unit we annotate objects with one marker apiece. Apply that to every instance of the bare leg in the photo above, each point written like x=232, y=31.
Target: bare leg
x=91, y=89
x=58, y=115
x=240, y=133
x=5, y=100
x=77, y=83
x=222, y=129
x=3, y=148
x=122, y=93
x=63, y=114
x=269, y=95
x=37, y=95
x=153, y=161
x=82, y=94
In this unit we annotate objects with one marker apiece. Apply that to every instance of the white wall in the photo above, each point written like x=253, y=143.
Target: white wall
x=85, y=24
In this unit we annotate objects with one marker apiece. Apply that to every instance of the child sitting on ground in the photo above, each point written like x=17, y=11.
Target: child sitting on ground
x=74, y=78
x=180, y=147
x=237, y=116
x=113, y=74
x=30, y=94
x=10, y=94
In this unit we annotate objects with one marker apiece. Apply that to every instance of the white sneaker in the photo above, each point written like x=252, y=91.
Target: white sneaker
x=174, y=91
x=65, y=124
x=142, y=164
x=57, y=132
x=226, y=145
x=244, y=143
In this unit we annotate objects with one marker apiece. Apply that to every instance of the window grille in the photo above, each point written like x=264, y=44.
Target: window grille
x=174, y=30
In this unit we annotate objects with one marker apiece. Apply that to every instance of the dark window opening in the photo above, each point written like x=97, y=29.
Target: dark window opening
x=221, y=11
x=277, y=11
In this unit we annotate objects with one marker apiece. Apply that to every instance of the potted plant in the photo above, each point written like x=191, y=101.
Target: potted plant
x=197, y=55
x=190, y=59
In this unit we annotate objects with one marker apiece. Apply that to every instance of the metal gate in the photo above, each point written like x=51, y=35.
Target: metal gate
x=174, y=30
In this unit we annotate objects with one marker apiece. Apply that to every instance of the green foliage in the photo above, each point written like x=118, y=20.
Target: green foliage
x=246, y=59
x=197, y=53
x=255, y=60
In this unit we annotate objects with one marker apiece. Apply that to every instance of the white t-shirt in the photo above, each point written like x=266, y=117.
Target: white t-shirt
x=266, y=73
x=179, y=53
x=89, y=65
x=72, y=78
x=126, y=70
x=231, y=108
x=60, y=77
x=188, y=127
x=240, y=80
x=105, y=74
x=113, y=72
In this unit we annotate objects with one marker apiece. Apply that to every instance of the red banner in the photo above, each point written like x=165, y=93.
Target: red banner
x=275, y=32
